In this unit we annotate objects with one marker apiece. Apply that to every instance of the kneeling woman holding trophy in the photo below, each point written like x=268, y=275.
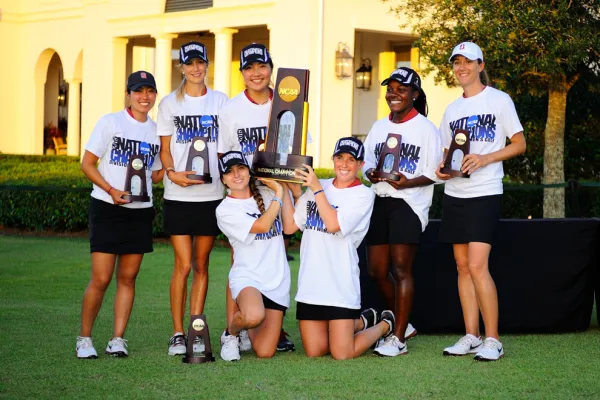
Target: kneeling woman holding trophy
x=334, y=217
x=260, y=276
x=118, y=158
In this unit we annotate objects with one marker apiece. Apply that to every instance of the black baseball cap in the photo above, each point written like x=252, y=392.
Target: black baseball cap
x=254, y=52
x=192, y=50
x=352, y=146
x=140, y=79
x=229, y=159
x=405, y=76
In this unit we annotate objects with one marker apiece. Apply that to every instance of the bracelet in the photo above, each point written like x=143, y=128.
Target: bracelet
x=169, y=169
x=318, y=191
x=111, y=188
x=277, y=199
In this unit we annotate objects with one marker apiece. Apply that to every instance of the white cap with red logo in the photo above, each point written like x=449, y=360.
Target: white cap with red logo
x=468, y=49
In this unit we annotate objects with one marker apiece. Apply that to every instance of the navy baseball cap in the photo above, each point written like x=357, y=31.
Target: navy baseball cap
x=140, y=79
x=230, y=159
x=254, y=52
x=352, y=146
x=405, y=76
x=192, y=50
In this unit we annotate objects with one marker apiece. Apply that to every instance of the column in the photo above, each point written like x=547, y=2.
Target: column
x=222, y=65
x=163, y=63
x=74, y=114
x=119, y=72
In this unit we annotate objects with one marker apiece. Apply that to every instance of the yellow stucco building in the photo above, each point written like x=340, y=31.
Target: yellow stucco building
x=66, y=61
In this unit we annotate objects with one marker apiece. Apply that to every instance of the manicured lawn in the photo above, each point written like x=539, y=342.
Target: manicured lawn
x=42, y=281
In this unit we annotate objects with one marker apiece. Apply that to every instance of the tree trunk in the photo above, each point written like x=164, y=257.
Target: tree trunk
x=554, y=149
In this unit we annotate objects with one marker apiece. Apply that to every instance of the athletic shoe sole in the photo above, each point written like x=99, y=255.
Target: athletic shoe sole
x=385, y=355
x=92, y=357
x=412, y=335
x=116, y=354
x=487, y=359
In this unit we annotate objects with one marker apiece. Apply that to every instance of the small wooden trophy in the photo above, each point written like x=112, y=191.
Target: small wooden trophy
x=459, y=148
x=198, y=328
x=198, y=161
x=389, y=159
x=135, y=181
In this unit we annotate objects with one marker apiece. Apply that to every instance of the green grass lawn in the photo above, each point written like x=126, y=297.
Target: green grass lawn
x=42, y=281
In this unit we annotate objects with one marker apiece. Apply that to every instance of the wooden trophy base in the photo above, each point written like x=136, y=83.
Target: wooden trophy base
x=206, y=178
x=130, y=197
x=208, y=357
x=278, y=166
x=454, y=173
x=385, y=175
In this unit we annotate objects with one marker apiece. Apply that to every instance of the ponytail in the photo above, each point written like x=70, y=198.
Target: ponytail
x=257, y=196
x=483, y=76
x=420, y=104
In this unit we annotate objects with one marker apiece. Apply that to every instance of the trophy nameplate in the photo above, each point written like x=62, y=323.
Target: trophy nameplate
x=459, y=148
x=198, y=328
x=284, y=148
x=135, y=181
x=198, y=161
x=389, y=159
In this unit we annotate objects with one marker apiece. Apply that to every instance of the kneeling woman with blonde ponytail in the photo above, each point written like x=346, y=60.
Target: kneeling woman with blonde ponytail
x=260, y=276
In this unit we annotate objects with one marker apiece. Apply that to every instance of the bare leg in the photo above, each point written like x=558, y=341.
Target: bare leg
x=182, y=246
x=252, y=311
x=265, y=336
x=484, y=286
x=466, y=290
x=402, y=256
x=128, y=268
x=344, y=344
x=103, y=265
x=379, y=262
x=315, y=337
x=202, y=248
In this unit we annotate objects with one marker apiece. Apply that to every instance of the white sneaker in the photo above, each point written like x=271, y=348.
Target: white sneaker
x=177, y=344
x=491, y=350
x=84, y=348
x=198, y=346
x=391, y=347
x=117, y=347
x=245, y=344
x=410, y=332
x=230, y=348
x=467, y=344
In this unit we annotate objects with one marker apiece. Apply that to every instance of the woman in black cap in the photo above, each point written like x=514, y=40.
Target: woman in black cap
x=260, y=276
x=401, y=207
x=334, y=217
x=189, y=205
x=120, y=230
x=243, y=124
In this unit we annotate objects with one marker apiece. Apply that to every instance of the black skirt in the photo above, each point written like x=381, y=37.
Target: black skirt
x=393, y=222
x=314, y=312
x=120, y=230
x=194, y=218
x=469, y=220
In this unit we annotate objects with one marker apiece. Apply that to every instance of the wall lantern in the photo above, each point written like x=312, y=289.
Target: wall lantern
x=62, y=95
x=343, y=62
x=363, y=75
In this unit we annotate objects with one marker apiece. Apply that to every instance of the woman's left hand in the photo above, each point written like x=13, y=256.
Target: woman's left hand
x=400, y=184
x=310, y=178
x=472, y=162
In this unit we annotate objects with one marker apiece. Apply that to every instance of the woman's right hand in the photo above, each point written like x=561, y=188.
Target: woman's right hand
x=440, y=175
x=273, y=185
x=117, y=196
x=181, y=179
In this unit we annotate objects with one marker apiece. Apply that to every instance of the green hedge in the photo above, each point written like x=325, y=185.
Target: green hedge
x=51, y=193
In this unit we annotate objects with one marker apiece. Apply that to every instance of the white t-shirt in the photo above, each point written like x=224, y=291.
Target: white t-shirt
x=420, y=154
x=329, y=273
x=242, y=125
x=115, y=138
x=490, y=117
x=194, y=116
x=259, y=260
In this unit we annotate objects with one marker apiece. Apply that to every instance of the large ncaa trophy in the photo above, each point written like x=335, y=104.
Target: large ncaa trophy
x=285, y=145
x=135, y=181
x=389, y=159
x=198, y=328
x=198, y=161
x=459, y=148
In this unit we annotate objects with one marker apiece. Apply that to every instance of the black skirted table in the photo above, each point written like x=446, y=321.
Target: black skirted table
x=546, y=271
